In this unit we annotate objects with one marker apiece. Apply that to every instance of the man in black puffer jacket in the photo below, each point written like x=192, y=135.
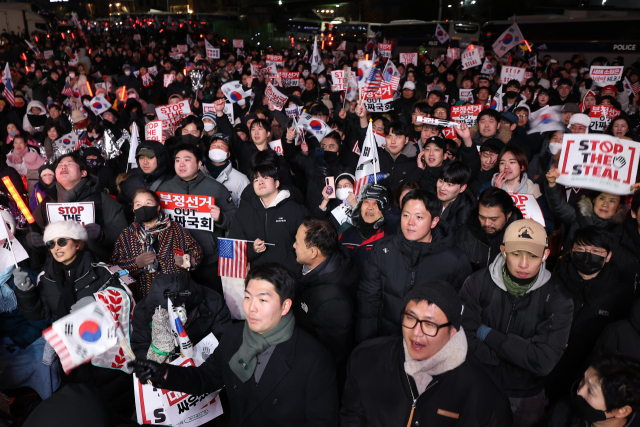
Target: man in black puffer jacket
x=623, y=336
x=206, y=311
x=452, y=192
x=626, y=248
x=480, y=238
x=423, y=251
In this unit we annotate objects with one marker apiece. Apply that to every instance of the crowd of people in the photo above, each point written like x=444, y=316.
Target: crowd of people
x=430, y=300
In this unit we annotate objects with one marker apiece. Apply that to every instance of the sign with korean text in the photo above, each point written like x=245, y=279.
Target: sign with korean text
x=289, y=79
x=601, y=116
x=48, y=54
x=466, y=95
x=603, y=76
x=379, y=101
x=275, y=97
x=153, y=70
x=409, y=58
x=168, y=79
x=213, y=53
x=190, y=211
x=511, y=73
x=466, y=113
x=146, y=80
x=80, y=212
x=385, y=50
x=529, y=207
x=275, y=59
x=277, y=146
x=238, y=43
x=598, y=162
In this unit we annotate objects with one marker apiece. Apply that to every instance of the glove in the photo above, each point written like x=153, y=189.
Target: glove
x=94, y=231
x=36, y=239
x=482, y=332
x=145, y=259
x=147, y=370
x=178, y=260
x=82, y=302
x=49, y=355
x=22, y=280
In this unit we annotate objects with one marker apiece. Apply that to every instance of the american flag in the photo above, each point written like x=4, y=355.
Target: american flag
x=369, y=179
x=8, y=86
x=67, y=90
x=232, y=261
x=374, y=81
x=635, y=87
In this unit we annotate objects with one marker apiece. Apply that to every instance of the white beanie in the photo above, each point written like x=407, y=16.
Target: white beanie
x=580, y=119
x=68, y=229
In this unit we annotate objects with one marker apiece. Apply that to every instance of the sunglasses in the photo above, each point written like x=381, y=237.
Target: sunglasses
x=61, y=242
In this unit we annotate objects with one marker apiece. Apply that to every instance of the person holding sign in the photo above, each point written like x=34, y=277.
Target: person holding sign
x=191, y=181
x=150, y=245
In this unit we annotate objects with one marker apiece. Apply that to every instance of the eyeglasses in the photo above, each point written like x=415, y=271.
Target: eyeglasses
x=522, y=115
x=430, y=329
x=595, y=251
x=61, y=242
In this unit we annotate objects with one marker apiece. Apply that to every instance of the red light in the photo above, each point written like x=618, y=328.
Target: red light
x=201, y=36
x=180, y=25
x=73, y=35
x=189, y=22
x=63, y=36
x=36, y=37
x=63, y=22
x=161, y=30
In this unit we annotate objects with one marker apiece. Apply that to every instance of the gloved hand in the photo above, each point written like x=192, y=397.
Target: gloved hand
x=94, y=231
x=178, y=260
x=482, y=332
x=22, y=280
x=145, y=259
x=82, y=302
x=149, y=370
x=36, y=239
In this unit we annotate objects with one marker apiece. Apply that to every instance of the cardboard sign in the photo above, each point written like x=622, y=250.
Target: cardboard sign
x=168, y=78
x=598, y=162
x=275, y=59
x=136, y=37
x=153, y=70
x=384, y=49
x=603, y=76
x=146, y=80
x=466, y=95
x=293, y=111
x=171, y=116
x=267, y=71
x=238, y=44
x=453, y=53
x=289, y=79
x=338, y=78
x=80, y=212
x=277, y=146
x=529, y=207
x=190, y=211
x=409, y=58
x=601, y=116
x=48, y=54
x=182, y=48
x=275, y=97
x=466, y=113
x=153, y=131
x=471, y=58
x=379, y=101
x=213, y=53
x=511, y=73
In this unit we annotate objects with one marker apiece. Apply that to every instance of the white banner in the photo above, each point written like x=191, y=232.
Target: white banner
x=465, y=95
x=277, y=146
x=471, y=58
x=511, y=73
x=153, y=131
x=598, y=162
x=80, y=212
x=603, y=76
x=275, y=97
x=409, y=58
x=529, y=207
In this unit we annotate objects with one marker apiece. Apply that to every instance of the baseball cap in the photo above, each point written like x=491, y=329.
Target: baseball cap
x=439, y=141
x=610, y=87
x=525, y=235
x=409, y=85
x=580, y=119
x=147, y=152
x=508, y=116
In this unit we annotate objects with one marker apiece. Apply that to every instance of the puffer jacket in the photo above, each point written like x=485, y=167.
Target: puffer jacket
x=38, y=121
x=528, y=335
x=622, y=336
x=394, y=266
x=626, y=254
x=206, y=311
x=457, y=213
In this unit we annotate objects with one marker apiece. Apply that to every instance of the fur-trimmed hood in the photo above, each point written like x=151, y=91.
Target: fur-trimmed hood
x=585, y=207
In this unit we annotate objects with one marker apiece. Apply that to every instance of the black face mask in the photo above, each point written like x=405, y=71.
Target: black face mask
x=190, y=139
x=583, y=410
x=330, y=156
x=586, y=262
x=93, y=164
x=146, y=213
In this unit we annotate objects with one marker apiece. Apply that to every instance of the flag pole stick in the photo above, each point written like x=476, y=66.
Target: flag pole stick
x=15, y=261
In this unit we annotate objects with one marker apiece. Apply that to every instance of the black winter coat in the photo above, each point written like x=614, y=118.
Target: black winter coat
x=457, y=214
x=622, y=336
x=297, y=387
x=476, y=244
x=206, y=311
x=394, y=266
x=377, y=392
x=626, y=255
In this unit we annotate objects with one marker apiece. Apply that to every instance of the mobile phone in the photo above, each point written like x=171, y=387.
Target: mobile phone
x=319, y=157
x=330, y=183
x=178, y=252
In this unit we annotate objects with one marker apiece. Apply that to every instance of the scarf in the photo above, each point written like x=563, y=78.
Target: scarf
x=16, y=156
x=452, y=355
x=8, y=301
x=149, y=235
x=518, y=290
x=214, y=170
x=243, y=363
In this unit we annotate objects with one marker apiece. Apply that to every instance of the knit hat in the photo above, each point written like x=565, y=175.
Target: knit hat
x=525, y=235
x=69, y=229
x=33, y=160
x=378, y=193
x=580, y=119
x=77, y=116
x=570, y=107
x=211, y=116
x=440, y=293
x=347, y=176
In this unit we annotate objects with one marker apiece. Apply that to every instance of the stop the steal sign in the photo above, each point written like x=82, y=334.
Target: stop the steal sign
x=80, y=212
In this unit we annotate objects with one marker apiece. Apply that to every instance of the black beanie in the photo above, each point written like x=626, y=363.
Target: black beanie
x=440, y=293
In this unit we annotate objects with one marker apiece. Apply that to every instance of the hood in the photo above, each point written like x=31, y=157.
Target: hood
x=585, y=207
x=410, y=150
x=281, y=197
x=38, y=104
x=496, y=274
x=161, y=154
x=175, y=282
x=523, y=186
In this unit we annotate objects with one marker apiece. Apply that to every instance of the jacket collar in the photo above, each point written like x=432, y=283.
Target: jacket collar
x=495, y=269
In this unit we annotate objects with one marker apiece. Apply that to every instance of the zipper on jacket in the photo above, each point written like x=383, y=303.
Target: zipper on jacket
x=489, y=255
x=513, y=310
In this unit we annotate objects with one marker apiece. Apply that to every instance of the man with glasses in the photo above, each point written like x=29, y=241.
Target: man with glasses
x=425, y=377
x=596, y=289
x=517, y=319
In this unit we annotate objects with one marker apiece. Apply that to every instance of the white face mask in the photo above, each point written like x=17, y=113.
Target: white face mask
x=305, y=73
x=343, y=193
x=208, y=126
x=217, y=155
x=554, y=86
x=555, y=147
x=72, y=75
x=322, y=80
x=574, y=75
x=86, y=103
x=126, y=73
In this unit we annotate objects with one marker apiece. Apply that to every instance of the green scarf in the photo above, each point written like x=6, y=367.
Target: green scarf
x=243, y=363
x=512, y=287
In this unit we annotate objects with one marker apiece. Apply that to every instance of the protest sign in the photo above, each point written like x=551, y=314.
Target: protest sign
x=80, y=212
x=471, y=58
x=384, y=49
x=265, y=72
x=453, y=53
x=190, y=211
x=511, y=73
x=409, y=58
x=274, y=59
x=238, y=43
x=480, y=49
x=529, y=207
x=598, y=162
x=293, y=111
x=289, y=79
x=228, y=110
x=466, y=95
x=171, y=116
x=342, y=213
x=153, y=131
x=466, y=114
x=277, y=146
x=168, y=78
x=146, y=80
x=213, y=53
x=153, y=70
x=449, y=133
x=440, y=122
x=379, y=101
x=275, y=97
x=338, y=78
x=136, y=37
x=603, y=76
x=48, y=54
x=601, y=116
